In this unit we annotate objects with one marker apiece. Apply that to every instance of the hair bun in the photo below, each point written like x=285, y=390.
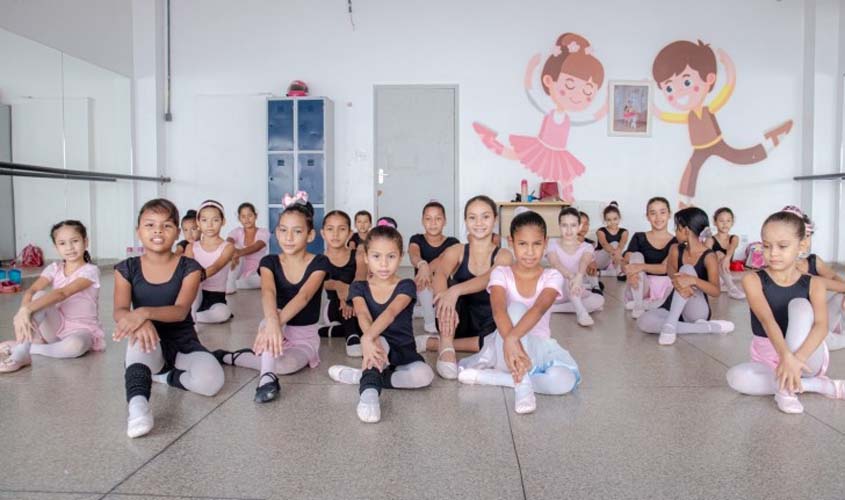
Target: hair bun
x=571, y=43
x=613, y=204
x=191, y=213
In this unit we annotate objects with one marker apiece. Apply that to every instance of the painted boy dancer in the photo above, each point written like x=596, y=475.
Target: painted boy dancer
x=686, y=73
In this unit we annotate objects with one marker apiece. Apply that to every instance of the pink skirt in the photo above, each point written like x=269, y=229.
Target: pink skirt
x=76, y=325
x=547, y=162
x=762, y=351
x=659, y=287
x=303, y=337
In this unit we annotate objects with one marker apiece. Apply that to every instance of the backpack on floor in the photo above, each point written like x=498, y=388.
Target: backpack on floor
x=30, y=256
x=754, y=255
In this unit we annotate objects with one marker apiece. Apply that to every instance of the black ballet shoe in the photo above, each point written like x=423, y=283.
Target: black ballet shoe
x=220, y=354
x=268, y=391
x=621, y=277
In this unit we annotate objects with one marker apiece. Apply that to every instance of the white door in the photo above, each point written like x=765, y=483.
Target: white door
x=416, y=149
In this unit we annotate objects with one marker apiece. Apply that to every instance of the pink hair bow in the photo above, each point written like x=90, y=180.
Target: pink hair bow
x=793, y=210
x=301, y=197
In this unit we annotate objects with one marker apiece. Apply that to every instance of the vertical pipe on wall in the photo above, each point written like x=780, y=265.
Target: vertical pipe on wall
x=840, y=135
x=168, y=116
x=808, y=103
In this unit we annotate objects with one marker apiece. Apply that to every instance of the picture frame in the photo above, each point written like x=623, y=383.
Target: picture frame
x=629, y=113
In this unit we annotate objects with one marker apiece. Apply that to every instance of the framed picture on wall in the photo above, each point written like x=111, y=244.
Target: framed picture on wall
x=629, y=114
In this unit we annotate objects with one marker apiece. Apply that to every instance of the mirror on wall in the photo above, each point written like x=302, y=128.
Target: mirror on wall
x=61, y=112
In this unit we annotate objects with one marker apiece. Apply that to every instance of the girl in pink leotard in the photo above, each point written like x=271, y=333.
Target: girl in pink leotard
x=63, y=322
x=571, y=258
x=571, y=77
x=215, y=255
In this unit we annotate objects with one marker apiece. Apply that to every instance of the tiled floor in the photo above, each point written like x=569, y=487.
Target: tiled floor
x=647, y=422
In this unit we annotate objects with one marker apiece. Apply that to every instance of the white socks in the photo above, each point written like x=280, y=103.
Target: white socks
x=345, y=374
x=140, y=420
x=161, y=378
x=369, y=409
x=524, y=400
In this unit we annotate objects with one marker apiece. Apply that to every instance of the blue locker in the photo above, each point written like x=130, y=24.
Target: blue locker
x=311, y=176
x=300, y=157
x=280, y=125
x=310, y=124
x=280, y=167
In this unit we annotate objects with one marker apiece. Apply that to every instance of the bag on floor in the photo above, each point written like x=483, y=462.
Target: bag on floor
x=754, y=255
x=30, y=256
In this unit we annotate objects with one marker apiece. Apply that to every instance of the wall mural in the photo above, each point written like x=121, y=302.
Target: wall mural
x=572, y=77
x=685, y=72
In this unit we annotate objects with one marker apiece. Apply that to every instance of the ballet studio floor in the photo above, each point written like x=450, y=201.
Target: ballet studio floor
x=646, y=422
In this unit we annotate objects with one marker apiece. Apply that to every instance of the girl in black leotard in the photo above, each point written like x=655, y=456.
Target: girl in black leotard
x=384, y=307
x=152, y=308
x=789, y=323
x=363, y=222
x=612, y=240
x=724, y=244
x=460, y=284
x=342, y=270
x=423, y=250
x=291, y=287
x=692, y=267
x=645, y=264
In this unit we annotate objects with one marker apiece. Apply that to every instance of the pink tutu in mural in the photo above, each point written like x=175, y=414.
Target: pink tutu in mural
x=546, y=155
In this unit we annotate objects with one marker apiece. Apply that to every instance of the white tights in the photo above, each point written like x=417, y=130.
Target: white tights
x=683, y=313
x=757, y=379
x=556, y=380
x=248, y=282
x=47, y=322
x=218, y=313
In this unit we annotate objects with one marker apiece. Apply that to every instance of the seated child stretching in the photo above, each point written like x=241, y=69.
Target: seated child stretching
x=214, y=254
x=384, y=306
x=693, y=269
x=251, y=244
x=789, y=323
x=521, y=353
x=64, y=322
x=291, y=288
x=153, y=294
x=571, y=258
x=342, y=271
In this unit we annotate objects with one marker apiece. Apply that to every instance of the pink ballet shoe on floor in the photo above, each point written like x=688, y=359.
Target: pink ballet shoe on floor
x=6, y=348
x=788, y=403
x=9, y=365
x=838, y=388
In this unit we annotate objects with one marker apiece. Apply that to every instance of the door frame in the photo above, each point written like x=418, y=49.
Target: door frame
x=453, y=222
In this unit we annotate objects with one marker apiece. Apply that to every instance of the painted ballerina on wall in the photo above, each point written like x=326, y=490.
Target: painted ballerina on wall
x=571, y=77
x=685, y=72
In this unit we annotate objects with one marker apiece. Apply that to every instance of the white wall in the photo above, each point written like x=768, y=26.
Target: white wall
x=67, y=113
x=244, y=49
x=97, y=31
x=827, y=123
